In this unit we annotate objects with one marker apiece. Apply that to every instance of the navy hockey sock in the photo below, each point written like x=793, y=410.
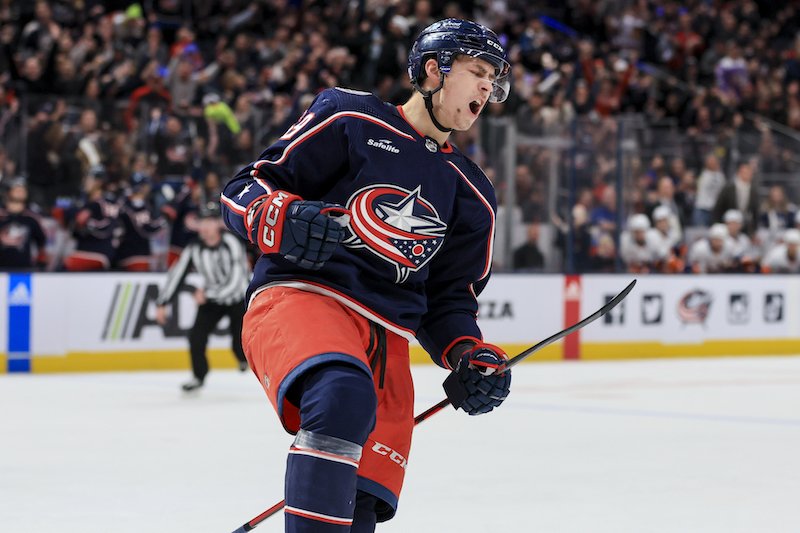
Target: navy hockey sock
x=337, y=412
x=365, y=517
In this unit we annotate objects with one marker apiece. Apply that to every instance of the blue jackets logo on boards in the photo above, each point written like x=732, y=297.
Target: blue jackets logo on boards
x=693, y=308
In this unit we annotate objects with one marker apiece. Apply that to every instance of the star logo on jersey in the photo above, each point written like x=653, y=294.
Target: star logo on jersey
x=244, y=191
x=397, y=225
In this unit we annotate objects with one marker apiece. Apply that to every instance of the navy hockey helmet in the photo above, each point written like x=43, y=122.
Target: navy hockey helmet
x=139, y=180
x=449, y=38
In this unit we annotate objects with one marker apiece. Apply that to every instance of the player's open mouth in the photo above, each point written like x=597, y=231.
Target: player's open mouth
x=475, y=107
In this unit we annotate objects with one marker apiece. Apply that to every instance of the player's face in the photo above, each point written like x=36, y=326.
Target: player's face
x=15, y=201
x=465, y=92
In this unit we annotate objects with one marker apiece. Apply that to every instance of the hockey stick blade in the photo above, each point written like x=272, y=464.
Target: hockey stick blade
x=444, y=403
x=612, y=303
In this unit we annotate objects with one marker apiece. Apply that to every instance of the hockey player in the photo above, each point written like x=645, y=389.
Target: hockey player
x=140, y=227
x=743, y=246
x=220, y=258
x=182, y=212
x=375, y=230
x=640, y=248
x=670, y=238
x=784, y=258
x=714, y=254
x=94, y=226
x=21, y=233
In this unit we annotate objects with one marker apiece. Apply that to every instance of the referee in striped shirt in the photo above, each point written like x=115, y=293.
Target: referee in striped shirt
x=220, y=257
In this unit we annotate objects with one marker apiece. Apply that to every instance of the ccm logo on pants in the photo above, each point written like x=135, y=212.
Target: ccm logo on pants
x=382, y=449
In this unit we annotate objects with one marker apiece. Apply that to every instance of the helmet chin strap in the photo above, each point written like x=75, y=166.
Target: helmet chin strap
x=428, y=97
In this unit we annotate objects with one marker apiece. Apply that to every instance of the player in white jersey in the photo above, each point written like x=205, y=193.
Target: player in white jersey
x=640, y=248
x=669, y=235
x=670, y=238
x=743, y=246
x=714, y=253
x=783, y=258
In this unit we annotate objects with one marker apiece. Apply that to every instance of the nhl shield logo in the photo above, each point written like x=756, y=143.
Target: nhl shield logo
x=431, y=145
x=397, y=225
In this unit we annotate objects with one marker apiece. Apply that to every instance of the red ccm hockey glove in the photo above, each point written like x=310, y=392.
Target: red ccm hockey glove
x=475, y=385
x=305, y=233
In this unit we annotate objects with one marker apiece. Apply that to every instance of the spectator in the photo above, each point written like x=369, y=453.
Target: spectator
x=139, y=228
x=222, y=120
x=53, y=168
x=685, y=198
x=742, y=195
x=152, y=48
x=604, y=216
x=22, y=239
x=36, y=76
x=173, y=148
x=665, y=197
x=152, y=95
x=182, y=82
x=94, y=226
x=605, y=257
x=783, y=258
x=777, y=213
x=713, y=254
x=709, y=185
x=91, y=144
x=581, y=239
x=731, y=72
x=529, y=256
x=7, y=170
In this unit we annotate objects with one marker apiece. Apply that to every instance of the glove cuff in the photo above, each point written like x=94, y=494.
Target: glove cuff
x=491, y=347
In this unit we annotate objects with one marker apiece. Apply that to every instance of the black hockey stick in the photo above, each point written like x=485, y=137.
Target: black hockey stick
x=511, y=362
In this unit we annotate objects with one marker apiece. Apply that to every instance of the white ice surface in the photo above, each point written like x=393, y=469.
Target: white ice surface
x=673, y=446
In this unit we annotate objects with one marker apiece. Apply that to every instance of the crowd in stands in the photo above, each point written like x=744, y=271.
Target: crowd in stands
x=119, y=119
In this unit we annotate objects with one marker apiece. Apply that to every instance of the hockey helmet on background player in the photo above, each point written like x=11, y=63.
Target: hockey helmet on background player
x=210, y=210
x=639, y=222
x=446, y=39
x=138, y=181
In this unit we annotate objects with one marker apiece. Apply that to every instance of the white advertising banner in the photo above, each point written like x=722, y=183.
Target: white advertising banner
x=521, y=309
x=105, y=321
x=110, y=312
x=694, y=309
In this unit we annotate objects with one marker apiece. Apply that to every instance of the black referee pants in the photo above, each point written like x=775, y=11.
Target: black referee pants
x=208, y=315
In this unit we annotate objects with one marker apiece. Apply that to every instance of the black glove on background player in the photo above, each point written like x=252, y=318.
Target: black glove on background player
x=475, y=385
x=303, y=232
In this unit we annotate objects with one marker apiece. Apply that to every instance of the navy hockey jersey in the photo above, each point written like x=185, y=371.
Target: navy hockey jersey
x=139, y=229
x=95, y=227
x=19, y=234
x=420, y=241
